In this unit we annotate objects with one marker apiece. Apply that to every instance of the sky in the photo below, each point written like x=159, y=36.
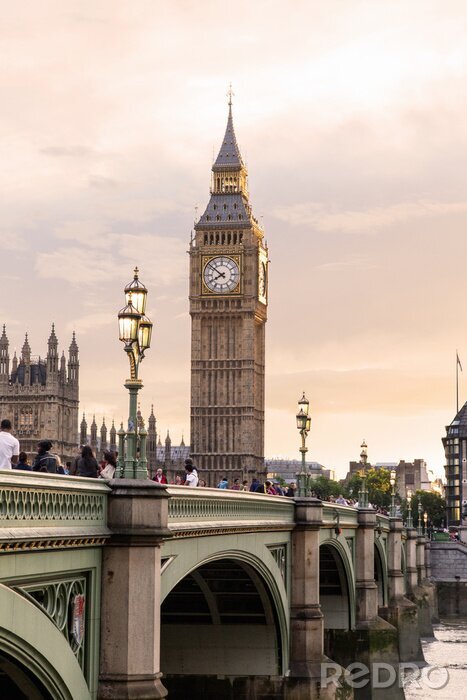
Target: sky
x=351, y=117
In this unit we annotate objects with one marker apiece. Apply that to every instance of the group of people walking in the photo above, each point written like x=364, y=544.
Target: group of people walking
x=84, y=464
x=192, y=479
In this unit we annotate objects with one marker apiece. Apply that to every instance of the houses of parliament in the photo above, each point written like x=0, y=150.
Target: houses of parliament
x=228, y=298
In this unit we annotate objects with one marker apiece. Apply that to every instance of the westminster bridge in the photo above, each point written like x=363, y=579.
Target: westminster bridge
x=130, y=589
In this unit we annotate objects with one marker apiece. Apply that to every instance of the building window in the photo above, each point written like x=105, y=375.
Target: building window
x=26, y=418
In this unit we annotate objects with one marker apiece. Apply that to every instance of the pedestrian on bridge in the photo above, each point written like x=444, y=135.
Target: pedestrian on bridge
x=44, y=461
x=23, y=462
x=9, y=446
x=191, y=479
x=87, y=464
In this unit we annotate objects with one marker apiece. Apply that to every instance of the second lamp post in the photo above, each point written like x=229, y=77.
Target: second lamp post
x=303, y=426
x=135, y=331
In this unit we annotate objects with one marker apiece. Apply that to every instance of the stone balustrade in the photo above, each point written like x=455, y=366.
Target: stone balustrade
x=46, y=511
x=206, y=510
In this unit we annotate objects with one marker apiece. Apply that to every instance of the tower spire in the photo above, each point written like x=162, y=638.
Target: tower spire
x=4, y=355
x=229, y=156
x=230, y=94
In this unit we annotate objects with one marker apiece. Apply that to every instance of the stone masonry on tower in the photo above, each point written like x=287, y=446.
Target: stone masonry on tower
x=228, y=307
x=41, y=396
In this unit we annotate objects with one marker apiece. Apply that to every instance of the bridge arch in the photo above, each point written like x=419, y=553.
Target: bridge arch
x=404, y=566
x=337, y=585
x=235, y=622
x=381, y=572
x=54, y=671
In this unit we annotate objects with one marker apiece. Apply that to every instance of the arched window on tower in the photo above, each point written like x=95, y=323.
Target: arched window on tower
x=26, y=419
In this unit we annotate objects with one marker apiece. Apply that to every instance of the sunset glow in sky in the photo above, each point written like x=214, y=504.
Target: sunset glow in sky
x=352, y=119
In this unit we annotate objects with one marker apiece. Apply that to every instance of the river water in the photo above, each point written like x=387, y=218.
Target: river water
x=445, y=677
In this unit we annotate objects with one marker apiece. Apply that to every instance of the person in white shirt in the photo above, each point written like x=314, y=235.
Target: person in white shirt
x=191, y=479
x=9, y=446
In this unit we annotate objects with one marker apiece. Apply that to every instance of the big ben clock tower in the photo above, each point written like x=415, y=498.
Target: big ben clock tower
x=228, y=308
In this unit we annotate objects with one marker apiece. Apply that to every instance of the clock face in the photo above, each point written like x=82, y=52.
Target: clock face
x=262, y=279
x=221, y=275
x=263, y=276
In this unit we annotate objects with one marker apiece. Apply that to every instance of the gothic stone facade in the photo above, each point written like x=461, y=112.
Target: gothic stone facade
x=228, y=307
x=41, y=396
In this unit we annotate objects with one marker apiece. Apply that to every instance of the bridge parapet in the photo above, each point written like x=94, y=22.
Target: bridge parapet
x=206, y=510
x=42, y=511
x=343, y=516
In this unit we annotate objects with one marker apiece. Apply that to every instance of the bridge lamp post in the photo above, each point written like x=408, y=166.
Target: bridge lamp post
x=303, y=426
x=425, y=520
x=419, y=524
x=392, y=481
x=135, y=330
x=409, y=522
x=363, y=492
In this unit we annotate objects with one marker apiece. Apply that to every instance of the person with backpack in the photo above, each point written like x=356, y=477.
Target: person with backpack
x=44, y=460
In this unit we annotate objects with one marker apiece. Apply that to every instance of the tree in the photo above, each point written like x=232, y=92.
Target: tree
x=324, y=487
x=432, y=503
x=378, y=486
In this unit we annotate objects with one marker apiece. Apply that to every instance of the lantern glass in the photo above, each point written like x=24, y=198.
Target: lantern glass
x=301, y=420
x=425, y=517
x=128, y=322
x=409, y=495
x=308, y=423
x=144, y=333
x=304, y=404
x=392, y=479
x=136, y=293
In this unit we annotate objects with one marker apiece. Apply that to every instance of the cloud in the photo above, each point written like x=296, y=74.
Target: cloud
x=90, y=322
x=68, y=151
x=316, y=215
x=357, y=262
x=10, y=240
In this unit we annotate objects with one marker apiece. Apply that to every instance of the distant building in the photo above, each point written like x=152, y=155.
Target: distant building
x=41, y=395
x=170, y=458
x=288, y=468
x=413, y=475
x=455, y=449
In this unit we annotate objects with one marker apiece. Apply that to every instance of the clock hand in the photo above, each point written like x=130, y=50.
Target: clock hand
x=221, y=274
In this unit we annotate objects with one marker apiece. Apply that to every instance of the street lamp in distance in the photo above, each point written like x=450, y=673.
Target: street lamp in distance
x=303, y=426
x=392, y=481
x=363, y=493
x=419, y=523
x=409, y=522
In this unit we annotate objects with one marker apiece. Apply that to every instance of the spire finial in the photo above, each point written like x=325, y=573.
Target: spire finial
x=230, y=94
x=136, y=273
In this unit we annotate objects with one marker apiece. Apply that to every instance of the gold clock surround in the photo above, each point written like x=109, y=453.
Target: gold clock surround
x=206, y=260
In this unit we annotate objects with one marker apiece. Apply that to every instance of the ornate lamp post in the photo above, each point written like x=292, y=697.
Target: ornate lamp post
x=303, y=426
x=409, y=522
x=425, y=520
x=135, y=331
x=392, y=481
x=419, y=524
x=363, y=493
